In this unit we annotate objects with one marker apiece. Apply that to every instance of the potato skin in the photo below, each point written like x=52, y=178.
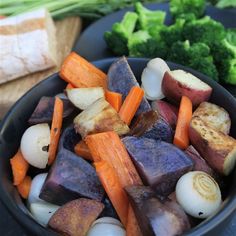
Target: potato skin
x=174, y=90
x=75, y=217
x=217, y=148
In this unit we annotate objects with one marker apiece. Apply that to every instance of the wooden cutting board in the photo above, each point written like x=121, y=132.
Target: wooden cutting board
x=67, y=32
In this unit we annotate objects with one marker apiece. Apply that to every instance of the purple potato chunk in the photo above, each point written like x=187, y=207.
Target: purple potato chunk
x=69, y=178
x=121, y=79
x=156, y=216
x=44, y=110
x=158, y=163
x=151, y=125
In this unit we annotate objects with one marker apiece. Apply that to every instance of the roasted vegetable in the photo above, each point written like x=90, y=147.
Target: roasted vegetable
x=159, y=164
x=151, y=125
x=121, y=79
x=75, y=217
x=44, y=110
x=214, y=116
x=217, y=148
x=99, y=117
x=154, y=216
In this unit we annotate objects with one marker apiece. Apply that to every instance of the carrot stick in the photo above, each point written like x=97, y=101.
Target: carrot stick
x=108, y=147
x=24, y=187
x=55, y=129
x=69, y=86
x=19, y=167
x=81, y=73
x=115, y=99
x=81, y=149
x=131, y=104
x=113, y=188
x=132, y=227
x=181, y=138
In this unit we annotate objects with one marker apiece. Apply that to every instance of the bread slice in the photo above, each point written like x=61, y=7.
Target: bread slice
x=217, y=148
x=27, y=44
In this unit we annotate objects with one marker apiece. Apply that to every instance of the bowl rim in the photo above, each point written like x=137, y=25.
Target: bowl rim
x=228, y=207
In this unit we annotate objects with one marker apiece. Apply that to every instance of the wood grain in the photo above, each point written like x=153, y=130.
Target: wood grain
x=67, y=32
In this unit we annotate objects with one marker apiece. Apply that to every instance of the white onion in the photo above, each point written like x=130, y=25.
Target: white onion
x=34, y=143
x=198, y=194
x=152, y=77
x=106, y=226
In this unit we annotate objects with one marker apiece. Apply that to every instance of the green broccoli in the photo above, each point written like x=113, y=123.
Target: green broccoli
x=196, y=56
x=178, y=7
x=117, y=38
x=147, y=19
x=173, y=33
x=205, y=30
x=141, y=44
x=231, y=36
x=224, y=54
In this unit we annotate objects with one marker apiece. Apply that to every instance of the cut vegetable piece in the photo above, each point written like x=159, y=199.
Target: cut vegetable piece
x=99, y=117
x=157, y=217
x=178, y=83
x=55, y=129
x=115, y=99
x=214, y=116
x=69, y=178
x=81, y=73
x=113, y=188
x=108, y=147
x=181, y=137
x=167, y=111
x=19, y=167
x=44, y=110
x=82, y=150
x=159, y=164
x=217, y=148
x=151, y=125
x=84, y=97
x=131, y=104
x=24, y=187
x=121, y=79
x=34, y=145
x=69, y=86
x=75, y=217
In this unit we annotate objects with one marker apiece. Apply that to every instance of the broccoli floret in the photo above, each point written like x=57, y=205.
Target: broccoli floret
x=178, y=7
x=196, y=56
x=205, y=30
x=148, y=19
x=141, y=44
x=173, y=33
x=224, y=54
x=188, y=17
x=117, y=38
x=231, y=36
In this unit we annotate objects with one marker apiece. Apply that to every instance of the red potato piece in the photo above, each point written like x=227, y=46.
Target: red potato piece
x=178, y=83
x=214, y=116
x=217, y=148
x=75, y=217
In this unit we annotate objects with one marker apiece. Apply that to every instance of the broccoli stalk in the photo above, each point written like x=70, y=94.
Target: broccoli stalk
x=117, y=38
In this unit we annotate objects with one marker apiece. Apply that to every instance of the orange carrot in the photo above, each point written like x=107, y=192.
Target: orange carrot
x=113, y=188
x=132, y=227
x=69, y=86
x=131, y=104
x=19, y=167
x=115, y=99
x=24, y=187
x=55, y=129
x=181, y=138
x=81, y=149
x=81, y=73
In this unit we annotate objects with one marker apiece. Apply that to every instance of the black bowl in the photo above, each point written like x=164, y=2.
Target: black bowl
x=15, y=122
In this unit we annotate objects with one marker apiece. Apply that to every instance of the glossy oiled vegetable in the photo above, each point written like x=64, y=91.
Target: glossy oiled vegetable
x=75, y=217
x=159, y=164
x=151, y=125
x=157, y=217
